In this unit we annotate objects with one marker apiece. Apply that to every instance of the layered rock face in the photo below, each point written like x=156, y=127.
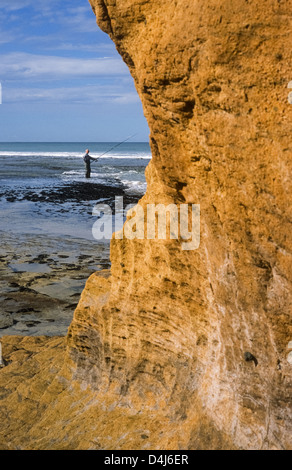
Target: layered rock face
x=201, y=337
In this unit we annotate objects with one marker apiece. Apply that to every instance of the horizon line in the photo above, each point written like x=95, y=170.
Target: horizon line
x=69, y=142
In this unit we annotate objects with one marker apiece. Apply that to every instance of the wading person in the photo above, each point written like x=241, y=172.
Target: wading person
x=87, y=159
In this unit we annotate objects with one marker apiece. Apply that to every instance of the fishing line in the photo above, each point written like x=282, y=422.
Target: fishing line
x=117, y=145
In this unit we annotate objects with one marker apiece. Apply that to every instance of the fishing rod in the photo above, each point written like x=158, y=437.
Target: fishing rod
x=117, y=145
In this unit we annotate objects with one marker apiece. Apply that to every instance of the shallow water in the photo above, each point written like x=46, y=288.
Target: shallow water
x=50, y=163
x=30, y=268
x=43, y=187
x=47, y=249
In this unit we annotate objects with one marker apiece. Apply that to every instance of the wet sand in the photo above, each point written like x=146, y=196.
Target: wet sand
x=41, y=280
x=47, y=253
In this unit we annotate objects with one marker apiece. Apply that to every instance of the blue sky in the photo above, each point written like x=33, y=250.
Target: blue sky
x=62, y=79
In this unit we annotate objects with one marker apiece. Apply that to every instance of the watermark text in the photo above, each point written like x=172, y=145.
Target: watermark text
x=149, y=222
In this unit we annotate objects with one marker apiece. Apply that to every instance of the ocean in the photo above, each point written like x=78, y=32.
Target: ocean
x=48, y=249
x=43, y=189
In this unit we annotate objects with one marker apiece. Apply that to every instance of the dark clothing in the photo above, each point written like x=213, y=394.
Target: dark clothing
x=88, y=169
x=87, y=159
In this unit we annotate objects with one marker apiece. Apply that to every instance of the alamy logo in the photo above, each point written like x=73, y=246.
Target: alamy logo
x=152, y=222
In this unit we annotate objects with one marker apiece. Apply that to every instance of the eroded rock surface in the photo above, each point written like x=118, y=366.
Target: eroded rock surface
x=189, y=349
x=174, y=327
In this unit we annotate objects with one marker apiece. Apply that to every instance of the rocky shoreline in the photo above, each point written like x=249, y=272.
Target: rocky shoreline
x=42, y=279
x=76, y=192
x=42, y=275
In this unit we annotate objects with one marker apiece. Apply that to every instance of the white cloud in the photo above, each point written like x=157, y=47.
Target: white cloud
x=6, y=37
x=57, y=43
x=23, y=66
x=9, y=5
x=71, y=16
x=78, y=18
x=83, y=95
x=14, y=5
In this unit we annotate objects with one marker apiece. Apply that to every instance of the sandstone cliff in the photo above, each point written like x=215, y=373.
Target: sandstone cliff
x=160, y=351
x=174, y=326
